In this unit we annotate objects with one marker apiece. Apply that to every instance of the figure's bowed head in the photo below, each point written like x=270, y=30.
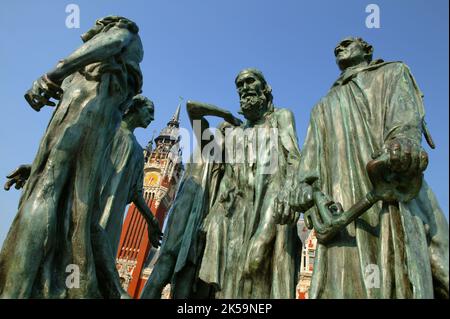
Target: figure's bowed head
x=141, y=112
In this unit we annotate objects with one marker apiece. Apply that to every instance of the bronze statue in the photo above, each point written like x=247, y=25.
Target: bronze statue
x=122, y=183
x=181, y=251
x=123, y=176
x=221, y=239
x=52, y=229
x=247, y=255
x=383, y=234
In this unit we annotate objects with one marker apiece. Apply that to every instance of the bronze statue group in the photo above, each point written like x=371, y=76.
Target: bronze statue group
x=231, y=232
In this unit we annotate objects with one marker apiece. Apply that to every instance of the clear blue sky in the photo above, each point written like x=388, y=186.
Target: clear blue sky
x=195, y=48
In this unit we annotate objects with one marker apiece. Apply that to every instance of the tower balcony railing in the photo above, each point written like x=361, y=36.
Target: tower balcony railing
x=152, y=164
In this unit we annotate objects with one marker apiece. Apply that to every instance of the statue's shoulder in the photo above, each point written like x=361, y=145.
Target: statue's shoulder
x=283, y=112
x=284, y=116
x=395, y=71
x=324, y=102
x=393, y=66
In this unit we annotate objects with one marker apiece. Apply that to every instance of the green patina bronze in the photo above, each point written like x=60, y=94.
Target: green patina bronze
x=231, y=232
x=182, y=246
x=122, y=183
x=247, y=255
x=222, y=239
x=391, y=243
x=53, y=225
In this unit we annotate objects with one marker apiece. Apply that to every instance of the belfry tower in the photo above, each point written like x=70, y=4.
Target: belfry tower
x=308, y=255
x=162, y=173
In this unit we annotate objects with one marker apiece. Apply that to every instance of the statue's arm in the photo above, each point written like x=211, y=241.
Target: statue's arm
x=197, y=112
x=292, y=187
x=403, y=126
x=289, y=141
x=154, y=231
x=297, y=195
x=101, y=47
x=405, y=110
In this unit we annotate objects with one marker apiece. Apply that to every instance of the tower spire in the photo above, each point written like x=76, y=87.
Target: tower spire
x=171, y=131
x=153, y=136
x=175, y=120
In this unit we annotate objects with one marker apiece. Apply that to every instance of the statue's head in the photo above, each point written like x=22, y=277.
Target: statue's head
x=106, y=23
x=254, y=93
x=141, y=110
x=352, y=51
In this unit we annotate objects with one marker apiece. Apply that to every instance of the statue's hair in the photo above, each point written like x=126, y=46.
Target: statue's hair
x=106, y=23
x=136, y=103
x=260, y=76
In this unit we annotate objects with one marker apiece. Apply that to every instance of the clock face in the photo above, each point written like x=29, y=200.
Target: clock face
x=151, y=179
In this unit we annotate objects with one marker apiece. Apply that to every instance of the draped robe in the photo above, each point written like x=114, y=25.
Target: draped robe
x=122, y=181
x=50, y=238
x=242, y=214
x=394, y=250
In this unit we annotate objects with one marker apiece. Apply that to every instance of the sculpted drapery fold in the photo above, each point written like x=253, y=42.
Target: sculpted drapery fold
x=367, y=108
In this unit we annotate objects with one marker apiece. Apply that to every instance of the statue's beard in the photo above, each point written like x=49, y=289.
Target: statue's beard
x=252, y=106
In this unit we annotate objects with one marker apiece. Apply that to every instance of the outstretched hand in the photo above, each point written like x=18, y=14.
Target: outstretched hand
x=18, y=177
x=41, y=93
